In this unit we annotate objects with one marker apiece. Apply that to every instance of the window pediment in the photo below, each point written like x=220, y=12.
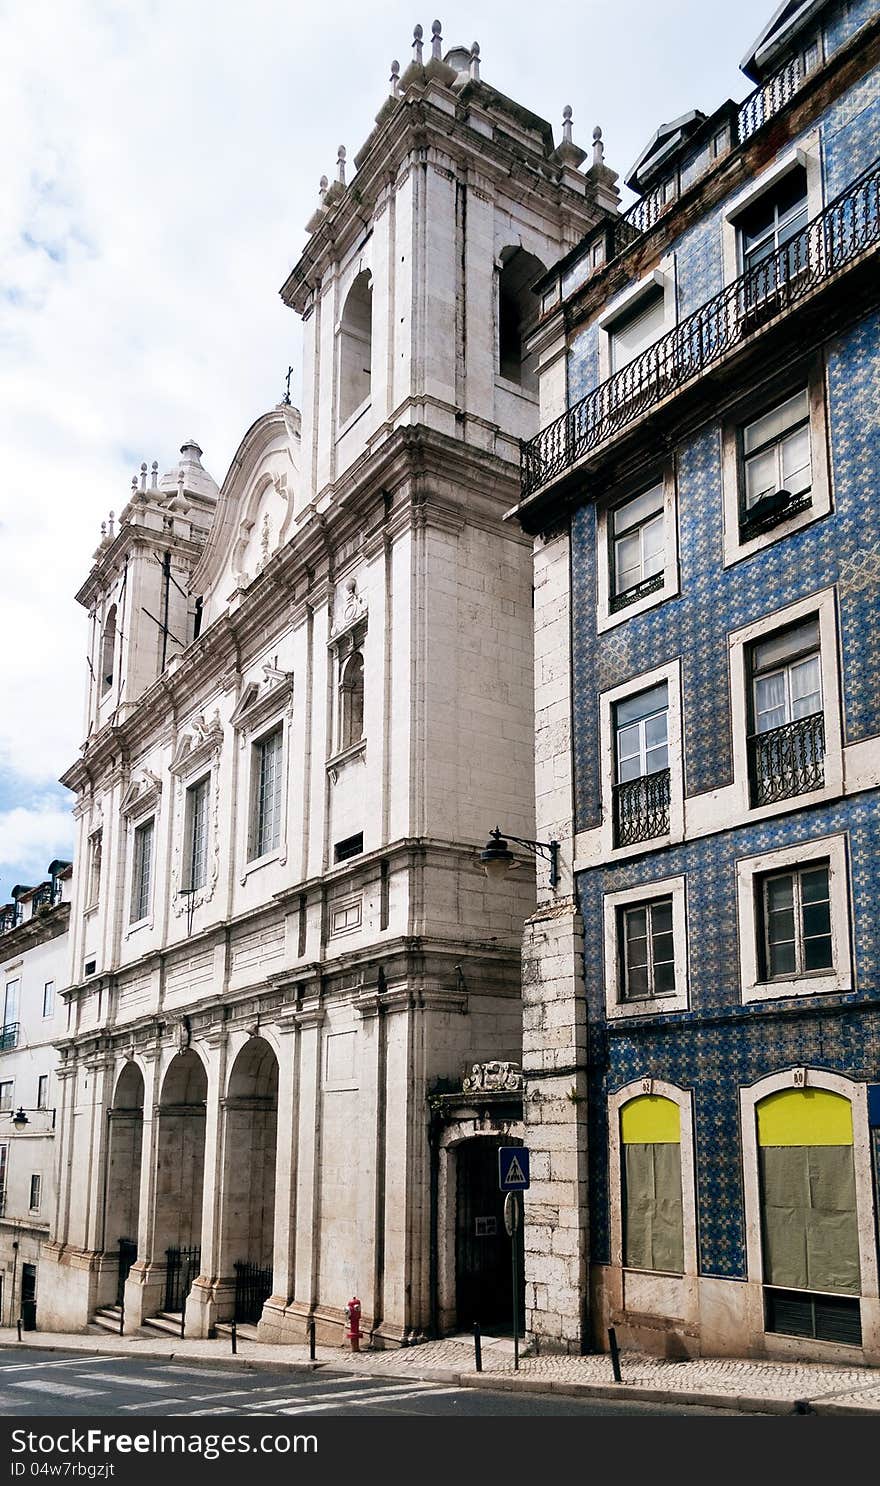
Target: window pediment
x=143, y=794
x=202, y=739
x=261, y=702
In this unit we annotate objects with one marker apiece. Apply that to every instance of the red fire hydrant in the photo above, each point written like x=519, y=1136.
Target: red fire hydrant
x=353, y=1316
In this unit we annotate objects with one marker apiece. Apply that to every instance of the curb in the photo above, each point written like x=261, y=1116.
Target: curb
x=490, y=1382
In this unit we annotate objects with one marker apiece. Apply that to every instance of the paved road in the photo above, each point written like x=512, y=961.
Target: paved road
x=53, y=1383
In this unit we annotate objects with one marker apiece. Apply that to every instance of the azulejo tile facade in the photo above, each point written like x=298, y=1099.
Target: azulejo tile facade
x=773, y=839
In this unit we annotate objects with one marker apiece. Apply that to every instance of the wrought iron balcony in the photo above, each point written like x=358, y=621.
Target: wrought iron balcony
x=844, y=230
x=787, y=761
x=770, y=98
x=9, y=1037
x=641, y=808
x=2, y=1202
x=46, y=896
x=638, y=591
x=10, y=918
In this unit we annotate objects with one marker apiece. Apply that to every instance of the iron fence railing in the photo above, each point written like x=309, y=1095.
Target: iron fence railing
x=833, y=239
x=787, y=761
x=769, y=98
x=10, y=918
x=183, y=1266
x=641, y=808
x=253, y=1286
x=9, y=1037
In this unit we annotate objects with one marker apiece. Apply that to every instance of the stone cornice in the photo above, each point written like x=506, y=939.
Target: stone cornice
x=34, y=931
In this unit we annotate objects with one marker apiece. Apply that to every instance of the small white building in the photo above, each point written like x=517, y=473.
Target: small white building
x=310, y=699
x=33, y=967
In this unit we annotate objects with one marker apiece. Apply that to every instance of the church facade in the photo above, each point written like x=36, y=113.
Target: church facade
x=292, y=1027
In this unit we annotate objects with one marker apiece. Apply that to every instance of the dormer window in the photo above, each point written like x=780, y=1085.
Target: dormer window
x=355, y=348
x=108, y=650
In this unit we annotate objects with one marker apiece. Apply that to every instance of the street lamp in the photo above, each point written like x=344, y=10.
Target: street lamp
x=497, y=858
x=20, y=1119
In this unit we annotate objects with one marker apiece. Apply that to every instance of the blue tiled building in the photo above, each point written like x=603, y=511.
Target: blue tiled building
x=702, y=1022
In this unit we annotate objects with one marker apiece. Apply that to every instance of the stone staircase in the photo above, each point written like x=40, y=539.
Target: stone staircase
x=167, y=1322
x=246, y=1331
x=108, y=1318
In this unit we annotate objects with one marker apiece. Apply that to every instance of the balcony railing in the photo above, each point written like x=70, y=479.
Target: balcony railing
x=9, y=1037
x=10, y=918
x=770, y=98
x=641, y=808
x=845, y=229
x=787, y=761
x=46, y=896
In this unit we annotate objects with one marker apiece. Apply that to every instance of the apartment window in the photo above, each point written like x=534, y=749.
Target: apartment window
x=638, y=557
x=795, y=922
x=6, y=1085
x=787, y=746
x=43, y=1091
x=36, y=1189
x=9, y=1030
x=196, y=829
x=652, y=1207
x=777, y=472
x=633, y=332
x=141, y=871
x=641, y=793
x=267, y=794
x=49, y=998
x=647, y=950
x=771, y=223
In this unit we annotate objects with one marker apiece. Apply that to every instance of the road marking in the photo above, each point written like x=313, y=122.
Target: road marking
x=202, y=1372
x=150, y=1403
x=313, y=1393
x=375, y=1396
x=44, y=1366
x=63, y=1390
x=125, y=1380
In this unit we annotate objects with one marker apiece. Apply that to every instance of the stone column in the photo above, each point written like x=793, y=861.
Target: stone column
x=285, y=1240
x=145, y=1286
x=309, y=1020
x=212, y=1295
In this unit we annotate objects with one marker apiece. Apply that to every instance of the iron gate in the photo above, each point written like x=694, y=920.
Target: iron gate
x=183, y=1266
x=127, y=1255
x=253, y=1286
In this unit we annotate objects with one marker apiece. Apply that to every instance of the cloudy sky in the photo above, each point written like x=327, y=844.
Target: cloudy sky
x=162, y=157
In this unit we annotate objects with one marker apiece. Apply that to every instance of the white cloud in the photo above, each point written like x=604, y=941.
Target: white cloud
x=30, y=838
x=166, y=156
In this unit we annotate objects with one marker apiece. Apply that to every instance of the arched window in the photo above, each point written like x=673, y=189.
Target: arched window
x=517, y=313
x=653, y=1224
x=355, y=347
x=809, y=1221
x=351, y=711
x=108, y=650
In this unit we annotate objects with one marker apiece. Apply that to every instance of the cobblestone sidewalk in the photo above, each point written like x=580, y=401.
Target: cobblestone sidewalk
x=738, y=1383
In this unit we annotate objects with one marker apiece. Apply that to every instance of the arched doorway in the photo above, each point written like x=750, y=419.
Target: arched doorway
x=180, y=1173
x=122, y=1209
x=483, y=1261
x=249, y=1152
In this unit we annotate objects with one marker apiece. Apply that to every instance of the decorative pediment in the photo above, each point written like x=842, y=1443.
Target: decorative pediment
x=260, y=702
x=493, y=1077
x=198, y=744
x=349, y=611
x=143, y=793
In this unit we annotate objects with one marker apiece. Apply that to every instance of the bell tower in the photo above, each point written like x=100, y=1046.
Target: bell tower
x=141, y=615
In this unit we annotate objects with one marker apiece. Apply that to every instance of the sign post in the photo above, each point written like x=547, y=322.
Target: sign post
x=513, y=1179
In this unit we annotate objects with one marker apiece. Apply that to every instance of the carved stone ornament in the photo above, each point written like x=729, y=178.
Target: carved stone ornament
x=351, y=608
x=493, y=1077
x=183, y=1034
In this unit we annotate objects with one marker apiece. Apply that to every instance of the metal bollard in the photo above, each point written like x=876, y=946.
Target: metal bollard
x=478, y=1349
x=183, y=1322
x=122, y=1320
x=615, y=1354
x=311, y=1331
x=233, y=1333
x=18, y=1324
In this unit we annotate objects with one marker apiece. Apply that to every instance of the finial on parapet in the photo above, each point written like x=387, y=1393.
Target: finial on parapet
x=111, y=525
x=394, y=80
x=103, y=531
x=340, y=165
x=322, y=188
x=154, y=475
x=143, y=475
x=418, y=33
x=134, y=485
x=598, y=146
x=566, y=125
x=436, y=42
x=567, y=153
x=475, y=62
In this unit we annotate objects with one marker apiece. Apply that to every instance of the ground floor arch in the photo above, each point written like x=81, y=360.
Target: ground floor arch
x=250, y=1130
x=124, y=1153
x=180, y=1175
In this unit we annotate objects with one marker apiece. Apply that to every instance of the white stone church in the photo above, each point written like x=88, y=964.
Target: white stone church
x=309, y=700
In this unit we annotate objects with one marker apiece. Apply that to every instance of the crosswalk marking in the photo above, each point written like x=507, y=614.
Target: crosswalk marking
x=44, y=1366
x=313, y=1393
x=62, y=1390
x=126, y=1380
x=149, y=1403
x=376, y=1395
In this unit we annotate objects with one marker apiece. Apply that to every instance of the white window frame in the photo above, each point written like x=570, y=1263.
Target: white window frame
x=671, y=674
x=824, y=605
x=3, y=1084
x=684, y=1099
x=149, y=819
x=748, y=869
x=36, y=1177
x=606, y=617
x=670, y=887
x=256, y=858
x=51, y=1011
x=857, y=1094
x=806, y=153
x=731, y=468
x=42, y=1087
x=203, y=780
x=626, y=303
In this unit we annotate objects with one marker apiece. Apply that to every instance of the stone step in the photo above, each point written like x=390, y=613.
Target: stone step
x=167, y=1322
x=246, y=1331
x=107, y=1318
